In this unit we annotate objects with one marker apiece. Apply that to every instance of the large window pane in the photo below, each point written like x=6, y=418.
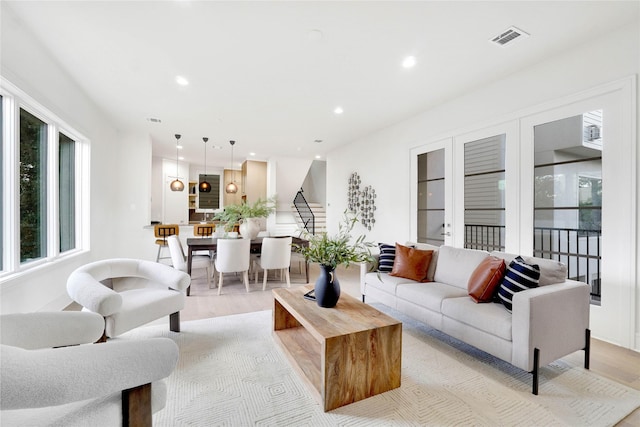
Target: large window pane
x=33, y=191
x=66, y=194
x=484, y=187
x=568, y=195
x=431, y=197
x=2, y=150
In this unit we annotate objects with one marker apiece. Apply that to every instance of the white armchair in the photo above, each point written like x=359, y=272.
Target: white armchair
x=115, y=383
x=129, y=293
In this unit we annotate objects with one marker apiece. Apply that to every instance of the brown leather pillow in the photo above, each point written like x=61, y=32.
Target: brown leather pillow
x=485, y=279
x=411, y=263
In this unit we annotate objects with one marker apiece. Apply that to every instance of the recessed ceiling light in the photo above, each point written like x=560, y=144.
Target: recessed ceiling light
x=409, y=62
x=338, y=110
x=179, y=147
x=318, y=156
x=180, y=158
x=252, y=154
x=182, y=81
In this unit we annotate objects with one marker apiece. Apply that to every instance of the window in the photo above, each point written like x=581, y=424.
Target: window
x=66, y=192
x=2, y=150
x=41, y=184
x=33, y=190
x=568, y=195
x=431, y=203
x=484, y=185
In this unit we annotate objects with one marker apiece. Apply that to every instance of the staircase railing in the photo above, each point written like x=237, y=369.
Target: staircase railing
x=306, y=214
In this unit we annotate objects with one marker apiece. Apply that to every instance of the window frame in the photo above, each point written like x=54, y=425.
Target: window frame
x=13, y=100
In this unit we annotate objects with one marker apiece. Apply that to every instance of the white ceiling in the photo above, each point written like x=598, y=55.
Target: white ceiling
x=259, y=76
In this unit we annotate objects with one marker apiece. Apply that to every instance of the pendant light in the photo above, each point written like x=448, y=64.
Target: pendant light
x=176, y=184
x=232, y=188
x=204, y=186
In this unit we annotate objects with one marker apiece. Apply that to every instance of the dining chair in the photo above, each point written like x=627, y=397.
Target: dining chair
x=275, y=254
x=180, y=260
x=161, y=232
x=233, y=256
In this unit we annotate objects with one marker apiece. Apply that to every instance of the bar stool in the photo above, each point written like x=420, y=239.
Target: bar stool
x=204, y=230
x=161, y=232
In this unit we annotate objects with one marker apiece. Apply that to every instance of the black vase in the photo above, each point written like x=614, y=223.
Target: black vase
x=327, y=288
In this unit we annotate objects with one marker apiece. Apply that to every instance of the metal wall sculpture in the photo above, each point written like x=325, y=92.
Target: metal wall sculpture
x=362, y=202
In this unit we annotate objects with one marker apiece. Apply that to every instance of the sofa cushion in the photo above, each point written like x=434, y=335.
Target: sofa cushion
x=429, y=295
x=551, y=271
x=485, y=279
x=434, y=258
x=455, y=265
x=411, y=263
x=387, y=256
x=519, y=276
x=490, y=318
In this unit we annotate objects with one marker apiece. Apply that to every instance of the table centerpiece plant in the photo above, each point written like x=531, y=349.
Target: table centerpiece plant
x=245, y=214
x=332, y=251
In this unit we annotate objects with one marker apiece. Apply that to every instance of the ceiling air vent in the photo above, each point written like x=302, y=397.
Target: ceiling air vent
x=508, y=36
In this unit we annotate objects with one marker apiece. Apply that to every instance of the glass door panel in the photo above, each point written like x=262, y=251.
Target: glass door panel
x=431, y=197
x=484, y=193
x=567, y=209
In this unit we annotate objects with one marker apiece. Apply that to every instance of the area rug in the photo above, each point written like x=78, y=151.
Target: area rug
x=232, y=373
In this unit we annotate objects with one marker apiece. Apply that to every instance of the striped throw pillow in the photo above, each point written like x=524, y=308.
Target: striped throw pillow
x=519, y=276
x=387, y=256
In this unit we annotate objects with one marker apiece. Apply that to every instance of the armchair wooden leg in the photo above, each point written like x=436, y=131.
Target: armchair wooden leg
x=103, y=338
x=174, y=322
x=136, y=406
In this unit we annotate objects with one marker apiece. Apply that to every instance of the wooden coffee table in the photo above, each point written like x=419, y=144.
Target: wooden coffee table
x=346, y=353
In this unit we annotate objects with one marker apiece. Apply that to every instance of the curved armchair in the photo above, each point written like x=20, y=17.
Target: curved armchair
x=116, y=383
x=129, y=293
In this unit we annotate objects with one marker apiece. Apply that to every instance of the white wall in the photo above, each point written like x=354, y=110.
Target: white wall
x=386, y=154
x=315, y=184
x=26, y=64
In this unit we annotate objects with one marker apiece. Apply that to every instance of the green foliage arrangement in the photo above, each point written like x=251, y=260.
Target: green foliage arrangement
x=231, y=214
x=332, y=251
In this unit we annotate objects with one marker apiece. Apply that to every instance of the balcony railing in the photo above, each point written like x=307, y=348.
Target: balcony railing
x=579, y=250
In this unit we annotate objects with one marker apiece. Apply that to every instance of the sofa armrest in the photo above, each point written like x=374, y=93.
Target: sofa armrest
x=51, y=377
x=551, y=318
x=367, y=267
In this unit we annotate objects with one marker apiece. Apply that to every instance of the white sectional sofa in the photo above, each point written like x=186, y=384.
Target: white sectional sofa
x=546, y=322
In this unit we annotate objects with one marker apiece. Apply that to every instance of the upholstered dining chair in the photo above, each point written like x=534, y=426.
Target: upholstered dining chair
x=129, y=292
x=180, y=260
x=53, y=374
x=161, y=232
x=275, y=254
x=233, y=256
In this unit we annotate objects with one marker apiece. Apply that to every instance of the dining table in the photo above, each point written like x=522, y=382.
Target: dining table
x=195, y=244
